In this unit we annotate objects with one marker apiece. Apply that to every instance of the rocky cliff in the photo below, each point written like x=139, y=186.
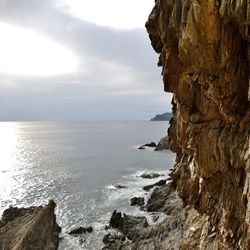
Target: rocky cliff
x=29, y=228
x=204, y=53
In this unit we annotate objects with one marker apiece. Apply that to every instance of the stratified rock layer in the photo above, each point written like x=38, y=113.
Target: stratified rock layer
x=205, y=54
x=29, y=228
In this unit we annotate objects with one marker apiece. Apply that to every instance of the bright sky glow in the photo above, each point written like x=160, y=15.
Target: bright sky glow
x=120, y=14
x=24, y=52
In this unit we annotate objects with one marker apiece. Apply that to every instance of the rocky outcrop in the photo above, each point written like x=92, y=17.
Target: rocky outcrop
x=204, y=53
x=163, y=144
x=29, y=228
x=130, y=226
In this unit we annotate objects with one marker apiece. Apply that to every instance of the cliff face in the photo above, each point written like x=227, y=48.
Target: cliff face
x=205, y=57
x=29, y=228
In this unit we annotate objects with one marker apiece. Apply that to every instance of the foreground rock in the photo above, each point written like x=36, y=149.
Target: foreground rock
x=204, y=52
x=81, y=230
x=29, y=228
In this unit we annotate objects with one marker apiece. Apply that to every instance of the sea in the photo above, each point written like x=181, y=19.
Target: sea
x=78, y=165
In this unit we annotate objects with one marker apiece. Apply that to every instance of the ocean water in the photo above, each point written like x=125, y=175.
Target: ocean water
x=77, y=164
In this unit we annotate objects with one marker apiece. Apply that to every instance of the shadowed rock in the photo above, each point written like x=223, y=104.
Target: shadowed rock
x=81, y=230
x=137, y=201
x=130, y=226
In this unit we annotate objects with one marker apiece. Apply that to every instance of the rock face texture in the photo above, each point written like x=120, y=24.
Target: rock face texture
x=204, y=52
x=29, y=228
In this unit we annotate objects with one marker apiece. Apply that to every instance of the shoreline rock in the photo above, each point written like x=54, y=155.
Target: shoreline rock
x=149, y=145
x=128, y=225
x=163, y=144
x=143, y=236
x=150, y=175
x=81, y=230
x=29, y=228
x=157, y=184
x=137, y=201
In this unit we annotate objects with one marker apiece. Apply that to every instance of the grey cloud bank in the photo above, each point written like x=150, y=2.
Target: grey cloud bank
x=117, y=77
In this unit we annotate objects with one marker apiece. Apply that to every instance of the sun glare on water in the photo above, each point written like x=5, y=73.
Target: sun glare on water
x=24, y=52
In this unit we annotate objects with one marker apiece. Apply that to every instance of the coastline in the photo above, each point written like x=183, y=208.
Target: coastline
x=138, y=231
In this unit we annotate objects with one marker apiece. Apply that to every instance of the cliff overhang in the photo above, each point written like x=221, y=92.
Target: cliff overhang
x=204, y=53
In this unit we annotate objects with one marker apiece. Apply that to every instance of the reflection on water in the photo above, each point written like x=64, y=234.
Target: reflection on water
x=8, y=144
x=9, y=179
x=73, y=163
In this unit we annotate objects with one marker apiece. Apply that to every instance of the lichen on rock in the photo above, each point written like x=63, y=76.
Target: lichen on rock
x=204, y=52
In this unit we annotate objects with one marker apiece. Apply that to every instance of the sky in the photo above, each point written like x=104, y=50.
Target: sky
x=78, y=60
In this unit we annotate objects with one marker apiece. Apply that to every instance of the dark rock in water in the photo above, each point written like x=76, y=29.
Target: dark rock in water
x=29, y=228
x=148, y=187
x=116, y=220
x=163, y=144
x=120, y=186
x=157, y=184
x=150, y=176
x=81, y=230
x=130, y=226
x=160, y=183
x=139, y=201
x=151, y=145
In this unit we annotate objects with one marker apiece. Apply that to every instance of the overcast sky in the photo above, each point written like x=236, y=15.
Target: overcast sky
x=78, y=60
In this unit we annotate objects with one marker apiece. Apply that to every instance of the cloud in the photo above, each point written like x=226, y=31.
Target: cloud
x=117, y=77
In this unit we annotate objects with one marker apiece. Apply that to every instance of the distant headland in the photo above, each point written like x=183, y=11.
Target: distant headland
x=162, y=117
